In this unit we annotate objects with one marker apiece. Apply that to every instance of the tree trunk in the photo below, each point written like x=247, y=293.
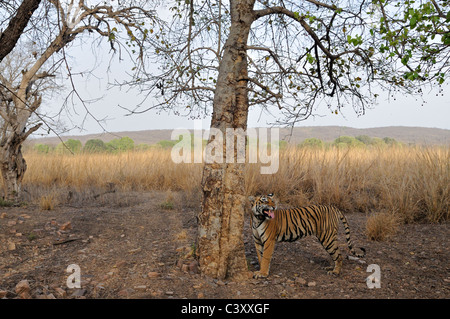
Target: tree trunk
x=12, y=33
x=13, y=167
x=221, y=220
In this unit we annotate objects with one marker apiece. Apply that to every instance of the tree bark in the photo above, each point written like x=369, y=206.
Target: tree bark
x=12, y=33
x=13, y=167
x=221, y=220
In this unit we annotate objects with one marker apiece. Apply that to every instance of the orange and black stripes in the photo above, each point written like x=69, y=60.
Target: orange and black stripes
x=270, y=225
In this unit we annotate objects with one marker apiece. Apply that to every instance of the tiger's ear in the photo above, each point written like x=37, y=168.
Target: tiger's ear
x=251, y=199
x=270, y=195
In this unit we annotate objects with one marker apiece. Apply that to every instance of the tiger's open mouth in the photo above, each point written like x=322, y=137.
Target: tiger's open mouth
x=268, y=213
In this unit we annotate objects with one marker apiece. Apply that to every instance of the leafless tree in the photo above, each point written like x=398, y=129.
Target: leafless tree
x=125, y=26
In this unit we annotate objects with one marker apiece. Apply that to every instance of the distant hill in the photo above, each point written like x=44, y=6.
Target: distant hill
x=414, y=135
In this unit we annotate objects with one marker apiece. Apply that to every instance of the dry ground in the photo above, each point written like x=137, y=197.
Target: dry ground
x=128, y=246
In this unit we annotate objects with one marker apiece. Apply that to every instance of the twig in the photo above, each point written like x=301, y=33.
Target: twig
x=65, y=241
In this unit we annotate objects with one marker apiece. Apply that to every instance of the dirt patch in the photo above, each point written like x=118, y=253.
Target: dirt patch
x=130, y=245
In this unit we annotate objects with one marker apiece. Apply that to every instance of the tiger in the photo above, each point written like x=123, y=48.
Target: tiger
x=270, y=225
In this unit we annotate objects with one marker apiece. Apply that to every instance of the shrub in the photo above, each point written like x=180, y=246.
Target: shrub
x=382, y=226
x=94, y=146
x=68, y=146
x=42, y=148
x=347, y=141
x=367, y=140
x=120, y=145
x=312, y=142
x=47, y=202
x=165, y=144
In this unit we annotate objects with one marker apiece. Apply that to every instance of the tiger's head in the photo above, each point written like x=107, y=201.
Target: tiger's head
x=263, y=206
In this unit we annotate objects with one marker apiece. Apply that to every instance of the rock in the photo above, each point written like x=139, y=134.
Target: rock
x=300, y=281
x=99, y=285
x=66, y=226
x=23, y=289
x=78, y=293
x=311, y=284
x=185, y=268
x=120, y=264
x=125, y=293
x=140, y=288
x=22, y=286
x=11, y=245
x=193, y=267
x=61, y=292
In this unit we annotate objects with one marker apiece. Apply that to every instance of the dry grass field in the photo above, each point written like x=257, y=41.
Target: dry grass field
x=403, y=184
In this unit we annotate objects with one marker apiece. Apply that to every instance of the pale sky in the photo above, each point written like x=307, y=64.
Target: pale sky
x=403, y=111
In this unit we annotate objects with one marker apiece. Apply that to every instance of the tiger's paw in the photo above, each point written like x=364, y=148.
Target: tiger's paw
x=333, y=272
x=259, y=274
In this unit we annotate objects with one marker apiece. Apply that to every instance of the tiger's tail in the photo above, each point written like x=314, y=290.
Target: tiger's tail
x=347, y=236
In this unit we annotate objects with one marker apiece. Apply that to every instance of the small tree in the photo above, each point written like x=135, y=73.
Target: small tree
x=42, y=148
x=94, y=146
x=312, y=143
x=70, y=146
x=347, y=141
x=120, y=145
x=165, y=144
x=367, y=140
x=391, y=141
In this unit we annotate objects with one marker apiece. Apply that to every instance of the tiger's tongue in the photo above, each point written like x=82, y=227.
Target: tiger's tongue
x=271, y=214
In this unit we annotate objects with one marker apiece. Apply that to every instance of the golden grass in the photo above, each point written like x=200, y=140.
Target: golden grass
x=413, y=182
x=381, y=226
x=47, y=202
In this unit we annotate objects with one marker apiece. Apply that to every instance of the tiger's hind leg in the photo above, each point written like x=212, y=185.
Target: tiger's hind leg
x=332, y=248
x=336, y=270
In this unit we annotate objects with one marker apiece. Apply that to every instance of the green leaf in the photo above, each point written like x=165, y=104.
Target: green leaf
x=405, y=60
x=413, y=22
x=446, y=39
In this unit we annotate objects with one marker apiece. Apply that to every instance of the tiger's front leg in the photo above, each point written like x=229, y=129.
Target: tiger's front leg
x=259, y=251
x=264, y=261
